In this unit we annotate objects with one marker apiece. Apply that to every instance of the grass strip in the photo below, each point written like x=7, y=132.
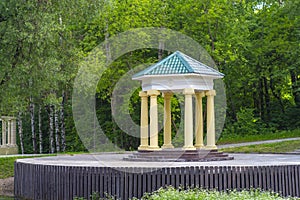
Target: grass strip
x=231, y=139
x=7, y=165
x=278, y=147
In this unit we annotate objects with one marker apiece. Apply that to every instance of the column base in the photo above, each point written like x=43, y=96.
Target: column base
x=154, y=148
x=199, y=146
x=188, y=148
x=143, y=147
x=6, y=150
x=167, y=146
x=211, y=147
x=11, y=145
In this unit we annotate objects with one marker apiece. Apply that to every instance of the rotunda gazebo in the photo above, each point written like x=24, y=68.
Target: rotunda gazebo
x=8, y=143
x=177, y=73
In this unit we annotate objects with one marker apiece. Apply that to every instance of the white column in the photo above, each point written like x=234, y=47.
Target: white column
x=167, y=121
x=144, y=121
x=211, y=120
x=8, y=131
x=188, y=119
x=153, y=120
x=3, y=132
x=199, y=120
x=13, y=131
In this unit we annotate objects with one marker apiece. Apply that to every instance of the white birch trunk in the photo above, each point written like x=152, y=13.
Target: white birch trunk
x=51, y=130
x=62, y=125
x=20, y=130
x=56, y=129
x=32, y=118
x=40, y=130
x=161, y=48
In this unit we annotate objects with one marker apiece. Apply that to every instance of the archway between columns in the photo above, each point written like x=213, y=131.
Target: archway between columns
x=178, y=73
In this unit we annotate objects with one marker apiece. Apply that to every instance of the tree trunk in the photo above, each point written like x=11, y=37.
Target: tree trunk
x=174, y=125
x=56, y=129
x=62, y=125
x=32, y=118
x=211, y=38
x=20, y=130
x=107, y=44
x=295, y=87
x=261, y=99
x=267, y=99
x=276, y=95
x=51, y=129
x=161, y=47
x=40, y=130
x=255, y=99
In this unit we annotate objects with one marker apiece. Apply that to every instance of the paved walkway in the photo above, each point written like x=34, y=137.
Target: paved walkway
x=257, y=142
x=219, y=146
x=116, y=160
x=19, y=155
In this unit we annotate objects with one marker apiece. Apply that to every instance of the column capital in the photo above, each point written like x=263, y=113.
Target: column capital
x=167, y=94
x=200, y=94
x=189, y=91
x=210, y=93
x=153, y=92
x=143, y=94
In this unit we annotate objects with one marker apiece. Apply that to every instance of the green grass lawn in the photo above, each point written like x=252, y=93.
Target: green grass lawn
x=7, y=165
x=230, y=139
x=278, y=147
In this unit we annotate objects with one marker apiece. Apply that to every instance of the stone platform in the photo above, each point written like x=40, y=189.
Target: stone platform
x=178, y=155
x=8, y=150
x=69, y=176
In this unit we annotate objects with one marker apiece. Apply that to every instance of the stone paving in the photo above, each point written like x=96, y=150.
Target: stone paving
x=116, y=160
x=219, y=146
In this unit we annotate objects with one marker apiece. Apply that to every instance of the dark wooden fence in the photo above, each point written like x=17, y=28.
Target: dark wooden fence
x=65, y=182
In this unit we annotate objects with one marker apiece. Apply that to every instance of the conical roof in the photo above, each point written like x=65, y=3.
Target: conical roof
x=178, y=63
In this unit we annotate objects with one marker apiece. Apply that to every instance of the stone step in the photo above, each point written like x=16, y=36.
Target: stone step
x=178, y=155
x=177, y=160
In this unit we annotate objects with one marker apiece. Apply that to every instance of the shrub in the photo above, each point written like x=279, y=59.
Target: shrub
x=171, y=193
x=248, y=124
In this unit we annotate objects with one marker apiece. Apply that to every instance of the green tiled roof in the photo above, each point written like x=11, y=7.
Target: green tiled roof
x=178, y=63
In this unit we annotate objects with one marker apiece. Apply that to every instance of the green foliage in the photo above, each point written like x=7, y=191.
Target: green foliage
x=247, y=124
x=171, y=193
x=96, y=196
x=255, y=44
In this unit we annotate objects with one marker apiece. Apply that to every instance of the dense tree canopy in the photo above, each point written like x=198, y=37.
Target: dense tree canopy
x=256, y=44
